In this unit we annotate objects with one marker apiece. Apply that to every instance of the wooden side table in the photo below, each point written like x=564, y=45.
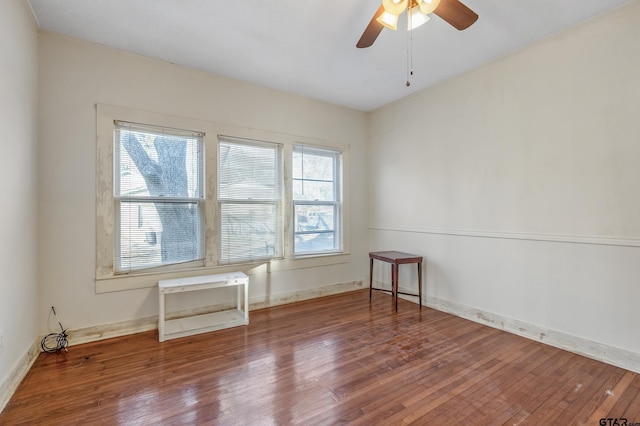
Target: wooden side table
x=395, y=258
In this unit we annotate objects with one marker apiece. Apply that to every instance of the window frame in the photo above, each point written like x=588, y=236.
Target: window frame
x=107, y=281
x=119, y=199
x=277, y=202
x=336, y=204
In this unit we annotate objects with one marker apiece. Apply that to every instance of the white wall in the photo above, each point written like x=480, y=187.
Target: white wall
x=519, y=183
x=18, y=174
x=75, y=76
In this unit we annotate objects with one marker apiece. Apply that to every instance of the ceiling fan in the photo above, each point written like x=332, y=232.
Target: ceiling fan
x=452, y=11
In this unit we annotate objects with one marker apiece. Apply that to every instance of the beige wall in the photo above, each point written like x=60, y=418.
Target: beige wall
x=18, y=171
x=75, y=76
x=519, y=184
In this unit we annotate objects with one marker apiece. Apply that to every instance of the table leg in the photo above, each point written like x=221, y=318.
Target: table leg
x=394, y=283
x=370, y=278
x=420, y=283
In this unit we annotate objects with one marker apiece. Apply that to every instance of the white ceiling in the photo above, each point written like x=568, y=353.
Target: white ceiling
x=307, y=47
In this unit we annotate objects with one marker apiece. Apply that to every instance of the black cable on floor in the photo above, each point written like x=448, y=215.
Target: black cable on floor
x=54, y=343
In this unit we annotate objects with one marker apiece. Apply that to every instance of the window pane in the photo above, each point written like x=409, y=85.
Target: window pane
x=248, y=231
x=154, y=234
x=250, y=193
x=152, y=164
x=314, y=228
x=310, y=163
x=313, y=190
x=248, y=172
x=314, y=172
x=314, y=218
x=315, y=242
x=316, y=203
x=158, y=162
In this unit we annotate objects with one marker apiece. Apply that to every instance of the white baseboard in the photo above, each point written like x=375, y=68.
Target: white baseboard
x=108, y=331
x=598, y=351
x=123, y=328
x=601, y=352
x=297, y=296
x=17, y=373
x=610, y=355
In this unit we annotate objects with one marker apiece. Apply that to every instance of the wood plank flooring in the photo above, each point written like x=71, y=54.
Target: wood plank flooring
x=327, y=361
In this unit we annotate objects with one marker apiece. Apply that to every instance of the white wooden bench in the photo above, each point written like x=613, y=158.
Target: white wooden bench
x=181, y=327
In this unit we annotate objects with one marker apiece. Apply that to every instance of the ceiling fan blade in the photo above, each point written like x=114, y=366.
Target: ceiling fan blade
x=456, y=14
x=372, y=31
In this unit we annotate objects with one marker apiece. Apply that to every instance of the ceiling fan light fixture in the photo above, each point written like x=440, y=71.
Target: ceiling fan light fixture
x=428, y=6
x=395, y=7
x=453, y=12
x=389, y=20
x=416, y=18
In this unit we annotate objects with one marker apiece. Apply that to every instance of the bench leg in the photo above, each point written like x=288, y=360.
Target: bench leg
x=246, y=301
x=161, y=317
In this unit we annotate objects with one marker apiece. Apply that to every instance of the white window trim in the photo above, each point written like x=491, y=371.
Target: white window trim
x=278, y=202
x=336, y=204
x=199, y=201
x=108, y=281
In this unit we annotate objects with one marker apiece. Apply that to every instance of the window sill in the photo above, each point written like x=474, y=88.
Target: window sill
x=140, y=280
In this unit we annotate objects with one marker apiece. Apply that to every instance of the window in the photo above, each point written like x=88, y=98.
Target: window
x=250, y=200
x=316, y=200
x=158, y=196
x=171, y=201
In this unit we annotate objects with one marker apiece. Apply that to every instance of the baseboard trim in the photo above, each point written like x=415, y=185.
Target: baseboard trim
x=598, y=351
x=108, y=331
x=17, y=373
x=123, y=328
x=300, y=295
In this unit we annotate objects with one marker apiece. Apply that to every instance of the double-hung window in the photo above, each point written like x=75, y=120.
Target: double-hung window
x=316, y=200
x=167, y=200
x=250, y=200
x=158, y=196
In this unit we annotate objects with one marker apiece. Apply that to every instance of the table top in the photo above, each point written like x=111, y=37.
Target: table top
x=395, y=257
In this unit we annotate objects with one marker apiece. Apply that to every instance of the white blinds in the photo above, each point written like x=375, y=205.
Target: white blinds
x=250, y=200
x=159, y=196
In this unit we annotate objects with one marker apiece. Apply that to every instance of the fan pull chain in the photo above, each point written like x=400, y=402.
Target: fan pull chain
x=409, y=50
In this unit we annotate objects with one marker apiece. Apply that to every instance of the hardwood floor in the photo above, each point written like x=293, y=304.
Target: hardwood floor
x=327, y=361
